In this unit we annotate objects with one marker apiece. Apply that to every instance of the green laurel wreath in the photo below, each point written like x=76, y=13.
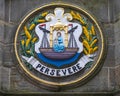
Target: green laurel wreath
x=88, y=37
x=28, y=37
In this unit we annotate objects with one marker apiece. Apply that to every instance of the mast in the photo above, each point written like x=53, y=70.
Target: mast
x=72, y=42
x=45, y=43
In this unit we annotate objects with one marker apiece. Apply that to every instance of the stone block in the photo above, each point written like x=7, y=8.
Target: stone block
x=2, y=9
x=9, y=34
x=110, y=56
x=27, y=5
x=116, y=9
x=5, y=79
x=20, y=83
x=7, y=10
x=1, y=32
x=108, y=32
x=1, y=54
x=8, y=56
x=117, y=94
x=117, y=31
x=100, y=7
x=117, y=76
x=117, y=37
x=111, y=76
x=117, y=54
x=111, y=10
x=0, y=77
x=96, y=84
x=97, y=8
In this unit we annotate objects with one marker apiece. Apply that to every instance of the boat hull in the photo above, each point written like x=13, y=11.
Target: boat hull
x=49, y=53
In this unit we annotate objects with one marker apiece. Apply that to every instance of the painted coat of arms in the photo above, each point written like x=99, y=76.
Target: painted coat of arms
x=59, y=42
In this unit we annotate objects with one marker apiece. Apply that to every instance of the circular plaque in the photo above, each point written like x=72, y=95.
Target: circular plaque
x=59, y=45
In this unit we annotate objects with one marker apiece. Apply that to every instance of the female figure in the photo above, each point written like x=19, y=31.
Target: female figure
x=58, y=46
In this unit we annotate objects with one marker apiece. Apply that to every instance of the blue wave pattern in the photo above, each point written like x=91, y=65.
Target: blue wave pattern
x=58, y=63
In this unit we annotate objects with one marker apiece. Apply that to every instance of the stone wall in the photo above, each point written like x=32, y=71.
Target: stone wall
x=116, y=24
x=107, y=81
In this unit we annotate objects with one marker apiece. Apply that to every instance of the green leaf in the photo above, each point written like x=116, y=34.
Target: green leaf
x=88, y=65
x=30, y=67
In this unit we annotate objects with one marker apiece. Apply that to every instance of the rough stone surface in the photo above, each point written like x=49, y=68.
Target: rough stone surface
x=9, y=33
x=20, y=84
x=116, y=9
x=108, y=30
x=97, y=84
x=0, y=77
x=117, y=42
x=1, y=32
x=110, y=58
x=2, y=9
x=2, y=16
x=8, y=56
x=111, y=79
x=116, y=27
x=117, y=52
x=100, y=6
x=1, y=54
x=107, y=13
x=117, y=95
x=27, y=5
x=5, y=78
x=117, y=75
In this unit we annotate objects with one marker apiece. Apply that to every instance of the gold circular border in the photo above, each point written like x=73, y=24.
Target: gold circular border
x=64, y=83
